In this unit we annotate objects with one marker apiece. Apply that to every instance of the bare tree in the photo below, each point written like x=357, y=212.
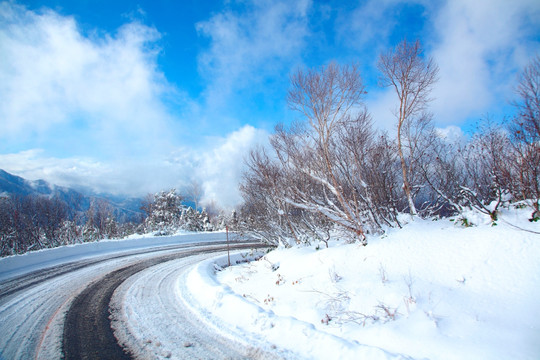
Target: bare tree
x=381, y=170
x=8, y=231
x=525, y=133
x=102, y=214
x=487, y=164
x=265, y=214
x=444, y=173
x=146, y=204
x=330, y=168
x=412, y=77
x=50, y=214
x=194, y=192
x=528, y=105
x=329, y=99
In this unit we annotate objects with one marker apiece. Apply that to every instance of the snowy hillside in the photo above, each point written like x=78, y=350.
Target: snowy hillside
x=434, y=289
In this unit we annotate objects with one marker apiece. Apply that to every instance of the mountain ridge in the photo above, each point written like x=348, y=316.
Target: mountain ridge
x=125, y=208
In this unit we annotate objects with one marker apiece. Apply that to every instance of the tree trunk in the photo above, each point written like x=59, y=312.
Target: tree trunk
x=406, y=185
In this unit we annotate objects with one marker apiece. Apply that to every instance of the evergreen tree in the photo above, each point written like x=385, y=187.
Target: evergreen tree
x=164, y=215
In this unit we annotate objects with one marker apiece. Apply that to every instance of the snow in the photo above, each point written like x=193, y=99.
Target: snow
x=242, y=316
x=434, y=289
x=32, y=321
x=20, y=264
x=148, y=313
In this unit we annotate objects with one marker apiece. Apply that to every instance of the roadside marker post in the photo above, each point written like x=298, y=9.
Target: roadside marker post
x=228, y=252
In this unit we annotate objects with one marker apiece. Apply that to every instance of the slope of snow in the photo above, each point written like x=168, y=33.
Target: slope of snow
x=431, y=290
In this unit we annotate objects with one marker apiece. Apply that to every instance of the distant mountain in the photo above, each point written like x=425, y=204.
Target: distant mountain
x=11, y=184
x=124, y=208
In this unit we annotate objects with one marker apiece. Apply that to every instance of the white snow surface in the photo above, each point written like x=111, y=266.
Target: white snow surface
x=433, y=289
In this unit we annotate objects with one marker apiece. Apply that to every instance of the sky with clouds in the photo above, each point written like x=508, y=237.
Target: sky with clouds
x=135, y=97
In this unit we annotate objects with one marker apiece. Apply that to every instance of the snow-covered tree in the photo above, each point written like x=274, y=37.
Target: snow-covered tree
x=164, y=213
x=191, y=220
x=69, y=233
x=205, y=219
x=111, y=228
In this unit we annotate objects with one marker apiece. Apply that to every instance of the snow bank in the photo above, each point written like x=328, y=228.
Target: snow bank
x=285, y=332
x=431, y=290
x=32, y=261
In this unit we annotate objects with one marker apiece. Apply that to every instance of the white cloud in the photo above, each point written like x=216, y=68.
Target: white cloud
x=33, y=164
x=382, y=107
x=133, y=178
x=247, y=49
x=53, y=78
x=369, y=26
x=100, y=99
x=452, y=134
x=218, y=168
x=479, y=46
x=221, y=168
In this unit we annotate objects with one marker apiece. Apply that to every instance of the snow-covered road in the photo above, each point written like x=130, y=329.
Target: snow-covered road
x=171, y=330
x=39, y=302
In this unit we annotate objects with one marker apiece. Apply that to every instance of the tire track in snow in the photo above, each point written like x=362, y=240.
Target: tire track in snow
x=26, y=314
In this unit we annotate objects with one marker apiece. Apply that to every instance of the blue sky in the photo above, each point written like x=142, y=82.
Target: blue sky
x=137, y=96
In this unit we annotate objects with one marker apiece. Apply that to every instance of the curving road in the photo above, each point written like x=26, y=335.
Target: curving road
x=98, y=309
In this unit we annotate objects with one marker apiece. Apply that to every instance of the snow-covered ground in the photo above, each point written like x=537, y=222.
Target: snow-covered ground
x=433, y=289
